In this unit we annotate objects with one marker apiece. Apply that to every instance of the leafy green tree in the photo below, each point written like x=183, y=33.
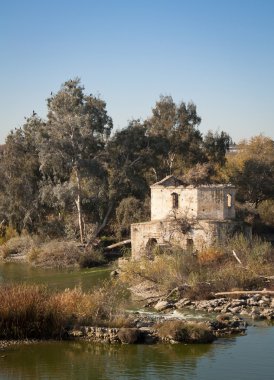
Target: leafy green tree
x=216, y=146
x=75, y=134
x=178, y=140
x=126, y=160
x=20, y=176
x=130, y=210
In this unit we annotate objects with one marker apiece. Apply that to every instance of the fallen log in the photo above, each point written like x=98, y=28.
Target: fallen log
x=119, y=244
x=237, y=292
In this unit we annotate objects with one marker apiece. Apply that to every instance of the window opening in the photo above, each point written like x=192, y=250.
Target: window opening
x=175, y=200
x=229, y=200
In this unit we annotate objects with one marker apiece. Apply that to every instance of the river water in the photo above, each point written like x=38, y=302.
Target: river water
x=249, y=357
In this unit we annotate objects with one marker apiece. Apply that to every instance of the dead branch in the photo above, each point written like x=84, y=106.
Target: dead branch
x=119, y=244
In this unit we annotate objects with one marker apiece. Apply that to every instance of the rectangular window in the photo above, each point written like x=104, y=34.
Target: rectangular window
x=175, y=200
x=229, y=200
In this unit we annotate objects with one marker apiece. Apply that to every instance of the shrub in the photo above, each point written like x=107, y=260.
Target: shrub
x=26, y=313
x=210, y=255
x=189, y=332
x=19, y=245
x=248, y=250
x=6, y=233
x=92, y=258
x=266, y=211
x=56, y=254
x=31, y=311
x=167, y=270
x=128, y=335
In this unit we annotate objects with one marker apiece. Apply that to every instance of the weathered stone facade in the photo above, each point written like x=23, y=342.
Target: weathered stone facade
x=187, y=216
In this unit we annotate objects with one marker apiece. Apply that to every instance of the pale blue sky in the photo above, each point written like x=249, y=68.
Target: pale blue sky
x=217, y=53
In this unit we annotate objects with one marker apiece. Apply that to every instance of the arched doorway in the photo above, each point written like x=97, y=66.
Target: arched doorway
x=150, y=247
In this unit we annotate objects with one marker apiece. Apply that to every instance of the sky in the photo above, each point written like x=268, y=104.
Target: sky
x=217, y=53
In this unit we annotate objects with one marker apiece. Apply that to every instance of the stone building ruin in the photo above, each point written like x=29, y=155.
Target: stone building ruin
x=191, y=217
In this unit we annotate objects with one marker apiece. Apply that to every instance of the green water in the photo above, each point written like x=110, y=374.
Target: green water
x=55, y=279
x=249, y=357
x=242, y=358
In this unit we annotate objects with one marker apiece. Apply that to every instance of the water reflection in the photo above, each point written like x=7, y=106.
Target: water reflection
x=55, y=279
x=80, y=360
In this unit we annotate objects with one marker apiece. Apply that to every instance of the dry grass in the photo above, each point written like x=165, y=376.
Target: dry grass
x=55, y=254
x=213, y=269
x=31, y=311
x=18, y=245
x=188, y=332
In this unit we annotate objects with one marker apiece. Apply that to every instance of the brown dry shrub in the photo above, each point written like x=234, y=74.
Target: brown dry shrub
x=128, y=335
x=18, y=245
x=31, y=311
x=210, y=255
x=189, y=332
x=25, y=312
x=56, y=254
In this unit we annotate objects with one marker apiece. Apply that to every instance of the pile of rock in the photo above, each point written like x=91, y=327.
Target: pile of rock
x=255, y=306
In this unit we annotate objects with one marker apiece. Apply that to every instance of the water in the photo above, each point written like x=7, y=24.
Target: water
x=247, y=357
x=241, y=358
x=55, y=279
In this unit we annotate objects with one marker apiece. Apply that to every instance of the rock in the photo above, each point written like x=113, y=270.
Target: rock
x=76, y=333
x=162, y=305
x=272, y=303
x=235, y=310
x=182, y=303
x=268, y=314
x=114, y=273
x=235, y=303
x=252, y=302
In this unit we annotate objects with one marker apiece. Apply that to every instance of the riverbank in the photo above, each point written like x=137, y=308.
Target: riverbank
x=147, y=330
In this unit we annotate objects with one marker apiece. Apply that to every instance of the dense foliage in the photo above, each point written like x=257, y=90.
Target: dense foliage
x=68, y=176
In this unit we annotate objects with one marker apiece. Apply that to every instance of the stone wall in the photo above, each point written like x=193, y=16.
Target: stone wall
x=216, y=203
x=190, y=235
x=204, y=202
x=162, y=206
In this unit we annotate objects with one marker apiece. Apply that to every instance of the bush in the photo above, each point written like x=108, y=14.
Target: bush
x=19, y=245
x=249, y=251
x=266, y=212
x=56, y=254
x=31, y=311
x=128, y=335
x=25, y=312
x=92, y=258
x=189, y=332
x=168, y=270
x=6, y=233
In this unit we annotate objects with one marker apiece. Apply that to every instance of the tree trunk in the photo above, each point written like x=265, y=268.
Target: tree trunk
x=78, y=202
x=104, y=223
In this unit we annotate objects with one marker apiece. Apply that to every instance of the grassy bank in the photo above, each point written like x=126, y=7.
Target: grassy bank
x=211, y=270
x=50, y=254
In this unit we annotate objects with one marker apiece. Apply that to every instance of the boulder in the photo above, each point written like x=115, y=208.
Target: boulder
x=182, y=303
x=163, y=305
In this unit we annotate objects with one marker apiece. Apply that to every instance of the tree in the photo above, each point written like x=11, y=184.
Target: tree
x=177, y=138
x=216, y=146
x=251, y=169
x=75, y=134
x=20, y=176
